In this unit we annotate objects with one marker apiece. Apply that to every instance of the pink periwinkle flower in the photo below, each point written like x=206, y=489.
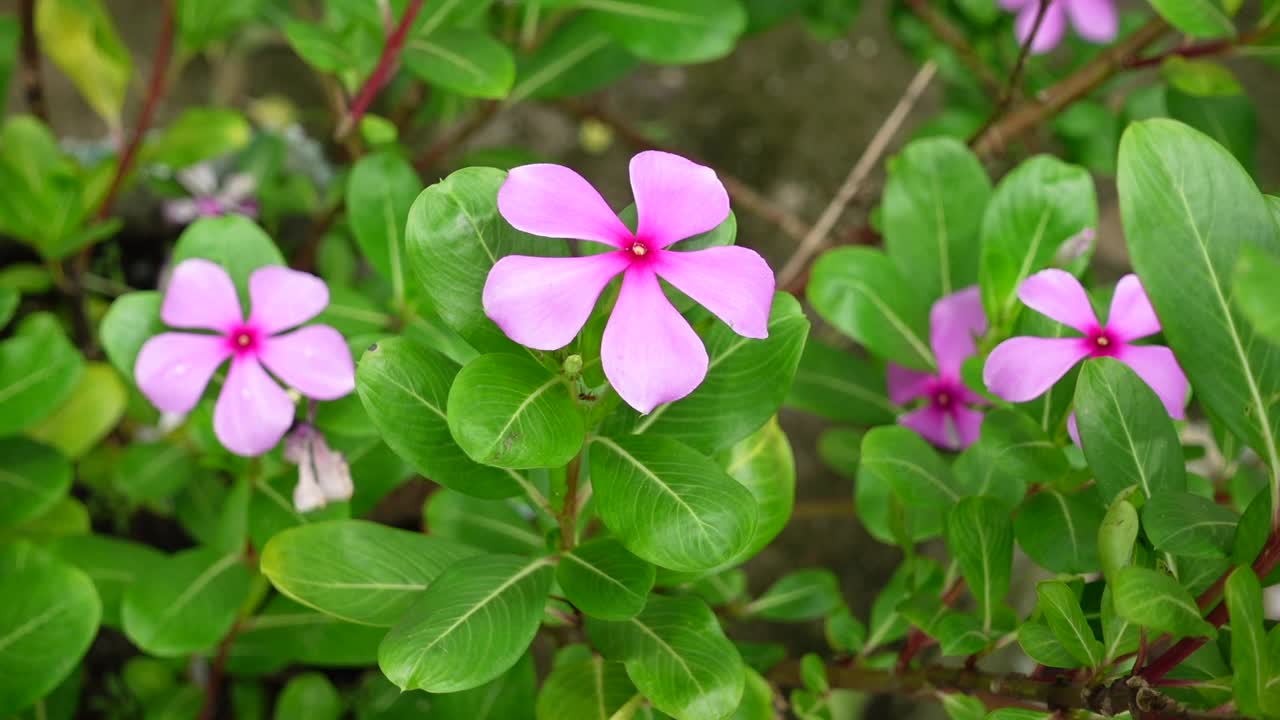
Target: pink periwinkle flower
x=948, y=417
x=649, y=352
x=1094, y=20
x=323, y=473
x=253, y=412
x=208, y=199
x=1023, y=368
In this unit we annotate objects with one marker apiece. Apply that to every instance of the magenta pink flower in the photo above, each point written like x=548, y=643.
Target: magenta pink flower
x=1023, y=368
x=650, y=353
x=1094, y=20
x=253, y=412
x=947, y=418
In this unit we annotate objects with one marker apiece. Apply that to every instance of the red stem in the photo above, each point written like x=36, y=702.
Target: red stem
x=917, y=640
x=155, y=89
x=382, y=73
x=1204, y=49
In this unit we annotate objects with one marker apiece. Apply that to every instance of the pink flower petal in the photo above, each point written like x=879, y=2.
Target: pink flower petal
x=252, y=412
x=1073, y=430
x=1131, y=315
x=650, y=353
x=1023, y=368
x=968, y=426
x=181, y=211
x=951, y=430
x=281, y=298
x=1094, y=20
x=313, y=360
x=954, y=321
x=906, y=385
x=1059, y=295
x=173, y=368
x=1156, y=365
x=542, y=302
x=1051, y=28
x=554, y=201
x=675, y=198
x=734, y=283
x=200, y=294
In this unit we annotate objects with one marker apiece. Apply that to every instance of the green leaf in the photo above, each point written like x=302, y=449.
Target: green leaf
x=187, y=604
x=1199, y=77
x=1033, y=211
x=1011, y=450
x=202, y=22
x=153, y=472
x=1060, y=532
x=309, y=696
x=1061, y=610
x=931, y=214
x=510, y=411
x=80, y=38
x=1190, y=525
x=1256, y=293
x=198, y=134
x=380, y=190
x=356, y=570
x=797, y=596
x=840, y=386
x=764, y=464
x=470, y=626
x=916, y=575
x=1253, y=529
x=9, y=301
x=960, y=635
x=510, y=695
x=455, y=235
x=1126, y=432
x=233, y=241
x=271, y=511
x=980, y=538
x=1156, y=601
x=605, y=581
x=1119, y=636
x=33, y=478
x=47, y=622
x=718, y=414
x=1232, y=120
x=39, y=369
x=669, y=504
x=1250, y=659
x=286, y=632
x=112, y=564
x=1040, y=644
x=9, y=34
x=900, y=467
x=404, y=388
x=1188, y=210
x=671, y=31
x=1116, y=536
x=470, y=62
x=577, y=58
x=861, y=293
x=1198, y=18
x=491, y=525
x=677, y=655
x=132, y=319
x=959, y=706
x=590, y=689
x=757, y=698
x=94, y=408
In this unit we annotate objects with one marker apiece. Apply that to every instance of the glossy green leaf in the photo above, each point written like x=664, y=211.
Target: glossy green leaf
x=155, y=471
x=677, y=655
x=916, y=575
x=1011, y=451
x=309, y=696
x=510, y=411
x=510, y=695
x=1061, y=610
x=669, y=504
x=1232, y=120
x=47, y=622
x=405, y=389
x=1198, y=18
x=861, y=293
x=1190, y=525
x=356, y=570
x=671, y=31
x=980, y=537
x=470, y=62
x=1256, y=292
x=797, y=596
x=1126, y=432
x=1040, y=644
x=764, y=464
x=840, y=386
x=233, y=241
x=959, y=706
x=1156, y=601
x=605, y=581
x=132, y=319
x=1060, y=532
x=1250, y=658
x=900, y=467
x=1116, y=536
x=577, y=58
x=112, y=564
x=34, y=477
x=1119, y=636
x=590, y=689
x=39, y=369
x=1188, y=210
x=1199, y=77
x=271, y=511
x=79, y=36
x=1036, y=208
x=285, y=632
x=93, y=409
x=187, y=604
x=470, y=626
x=198, y=134
x=931, y=214
x=380, y=190
x=494, y=526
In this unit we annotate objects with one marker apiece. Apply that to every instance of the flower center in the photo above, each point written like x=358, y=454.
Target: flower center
x=638, y=249
x=943, y=399
x=243, y=340
x=1101, y=343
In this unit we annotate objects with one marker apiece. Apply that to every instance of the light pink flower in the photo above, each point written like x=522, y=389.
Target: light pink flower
x=208, y=199
x=323, y=473
x=1094, y=20
x=948, y=418
x=1023, y=368
x=650, y=353
x=253, y=412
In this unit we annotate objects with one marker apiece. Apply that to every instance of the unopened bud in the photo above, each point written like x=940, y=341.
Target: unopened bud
x=573, y=365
